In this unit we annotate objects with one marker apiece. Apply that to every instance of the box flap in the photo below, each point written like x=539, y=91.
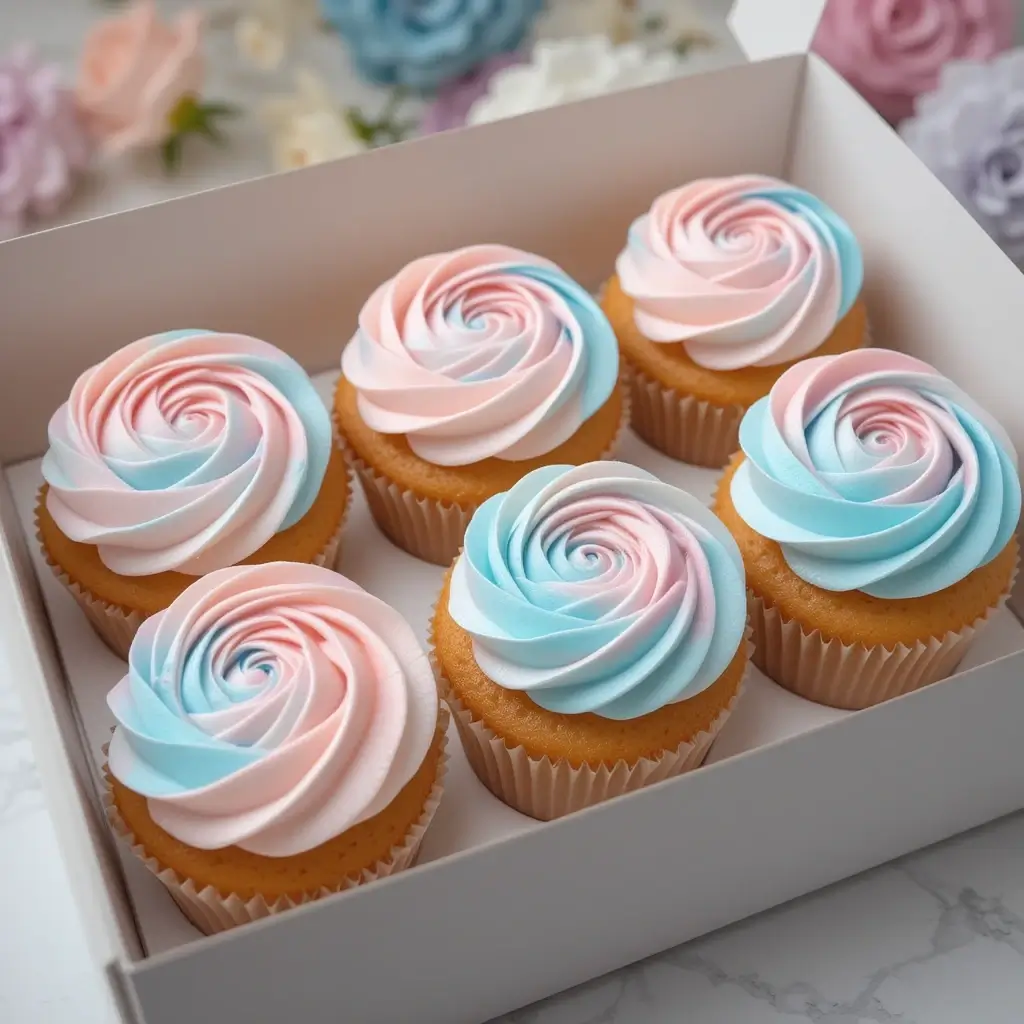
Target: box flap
x=775, y=28
x=28, y=656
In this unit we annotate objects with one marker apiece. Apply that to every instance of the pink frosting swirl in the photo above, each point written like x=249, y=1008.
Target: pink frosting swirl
x=272, y=707
x=186, y=451
x=743, y=271
x=482, y=352
x=891, y=51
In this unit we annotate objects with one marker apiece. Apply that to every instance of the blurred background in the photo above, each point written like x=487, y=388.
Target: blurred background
x=110, y=104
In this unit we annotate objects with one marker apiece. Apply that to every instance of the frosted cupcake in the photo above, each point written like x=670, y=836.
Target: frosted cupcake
x=590, y=637
x=875, y=505
x=470, y=369
x=278, y=740
x=183, y=453
x=724, y=284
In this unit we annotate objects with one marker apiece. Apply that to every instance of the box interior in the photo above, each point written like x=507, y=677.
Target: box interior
x=292, y=258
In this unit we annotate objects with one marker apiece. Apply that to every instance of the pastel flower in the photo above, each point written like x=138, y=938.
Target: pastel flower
x=891, y=51
x=451, y=106
x=260, y=42
x=307, y=127
x=423, y=45
x=561, y=71
x=269, y=28
x=43, y=146
x=135, y=70
x=970, y=133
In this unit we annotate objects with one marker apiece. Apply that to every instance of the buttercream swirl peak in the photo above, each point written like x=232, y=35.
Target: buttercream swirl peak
x=743, y=271
x=186, y=451
x=482, y=352
x=599, y=588
x=271, y=707
x=876, y=473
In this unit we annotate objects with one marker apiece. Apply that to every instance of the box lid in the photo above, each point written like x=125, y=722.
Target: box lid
x=775, y=28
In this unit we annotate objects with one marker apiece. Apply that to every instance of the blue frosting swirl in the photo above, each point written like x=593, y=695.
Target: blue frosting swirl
x=422, y=45
x=599, y=588
x=875, y=473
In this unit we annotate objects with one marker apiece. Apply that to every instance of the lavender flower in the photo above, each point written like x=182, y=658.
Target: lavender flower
x=450, y=107
x=43, y=145
x=970, y=133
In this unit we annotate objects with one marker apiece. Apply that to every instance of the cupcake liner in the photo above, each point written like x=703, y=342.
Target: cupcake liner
x=545, y=789
x=852, y=676
x=117, y=626
x=686, y=428
x=430, y=529
x=212, y=912
x=683, y=427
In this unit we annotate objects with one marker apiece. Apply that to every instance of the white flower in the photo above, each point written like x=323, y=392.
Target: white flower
x=259, y=42
x=570, y=69
x=269, y=28
x=307, y=127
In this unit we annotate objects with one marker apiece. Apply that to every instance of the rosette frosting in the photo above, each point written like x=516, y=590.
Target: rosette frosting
x=875, y=473
x=485, y=351
x=599, y=588
x=271, y=707
x=186, y=450
x=743, y=271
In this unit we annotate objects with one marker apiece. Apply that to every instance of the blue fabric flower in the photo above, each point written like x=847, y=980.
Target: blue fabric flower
x=421, y=44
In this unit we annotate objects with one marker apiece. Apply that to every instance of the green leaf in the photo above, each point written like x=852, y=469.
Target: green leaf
x=363, y=130
x=170, y=153
x=691, y=41
x=210, y=131
x=217, y=109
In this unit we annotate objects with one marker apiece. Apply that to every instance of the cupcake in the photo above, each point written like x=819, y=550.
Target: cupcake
x=278, y=739
x=470, y=369
x=722, y=285
x=590, y=638
x=875, y=505
x=180, y=454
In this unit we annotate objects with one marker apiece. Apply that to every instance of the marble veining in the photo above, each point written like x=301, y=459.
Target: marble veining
x=935, y=938
x=20, y=792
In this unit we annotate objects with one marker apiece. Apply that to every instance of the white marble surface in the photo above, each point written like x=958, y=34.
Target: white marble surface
x=937, y=938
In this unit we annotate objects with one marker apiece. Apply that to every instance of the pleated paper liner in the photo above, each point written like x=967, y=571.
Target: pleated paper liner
x=853, y=676
x=430, y=529
x=211, y=911
x=683, y=427
x=546, y=789
x=117, y=626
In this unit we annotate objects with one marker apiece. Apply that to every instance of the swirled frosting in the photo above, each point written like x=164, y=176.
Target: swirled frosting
x=875, y=473
x=744, y=271
x=599, y=588
x=271, y=707
x=186, y=450
x=482, y=352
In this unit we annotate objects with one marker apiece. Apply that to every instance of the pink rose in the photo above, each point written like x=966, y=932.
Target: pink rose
x=135, y=70
x=891, y=51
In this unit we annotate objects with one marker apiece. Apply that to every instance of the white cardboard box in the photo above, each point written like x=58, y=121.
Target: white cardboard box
x=504, y=910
